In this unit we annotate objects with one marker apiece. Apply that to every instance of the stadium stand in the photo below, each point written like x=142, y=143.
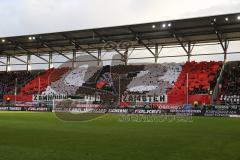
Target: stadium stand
x=37, y=85
x=40, y=83
x=110, y=81
x=133, y=79
x=71, y=81
x=201, y=81
x=230, y=84
x=125, y=74
x=10, y=80
x=155, y=78
x=106, y=81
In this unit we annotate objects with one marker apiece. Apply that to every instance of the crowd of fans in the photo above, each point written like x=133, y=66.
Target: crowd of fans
x=149, y=79
x=230, y=84
x=112, y=82
x=40, y=82
x=9, y=81
x=69, y=82
x=36, y=85
x=197, y=79
x=155, y=79
x=122, y=75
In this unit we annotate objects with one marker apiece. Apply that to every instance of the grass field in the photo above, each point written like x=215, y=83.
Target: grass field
x=33, y=136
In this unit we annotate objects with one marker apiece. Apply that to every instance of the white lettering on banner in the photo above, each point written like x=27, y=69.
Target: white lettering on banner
x=184, y=111
x=48, y=97
x=86, y=98
x=219, y=113
x=138, y=111
x=37, y=109
x=10, y=108
x=118, y=110
x=3, y=108
x=145, y=98
x=167, y=106
x=87, y=106
x=226, y=107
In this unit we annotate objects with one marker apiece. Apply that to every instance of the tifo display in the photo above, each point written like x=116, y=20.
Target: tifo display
x=196, y=83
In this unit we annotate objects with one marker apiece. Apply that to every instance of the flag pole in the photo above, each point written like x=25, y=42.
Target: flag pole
x=15, y=91
x=187, y=88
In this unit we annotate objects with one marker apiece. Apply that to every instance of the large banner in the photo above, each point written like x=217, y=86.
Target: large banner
x=145, y=98
x=85, y=98
x=37, y=97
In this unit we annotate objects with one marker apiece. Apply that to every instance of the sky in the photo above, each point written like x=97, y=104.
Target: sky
x=21, y=17
x=25, y=17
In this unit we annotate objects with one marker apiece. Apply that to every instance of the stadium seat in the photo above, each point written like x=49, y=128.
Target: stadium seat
x=230, y=84
x=201, y=80
x=40, y=82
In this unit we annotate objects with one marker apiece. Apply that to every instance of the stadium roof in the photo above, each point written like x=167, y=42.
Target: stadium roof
x=218, y=28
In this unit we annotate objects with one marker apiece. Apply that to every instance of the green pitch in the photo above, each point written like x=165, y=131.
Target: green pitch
x=35, y=136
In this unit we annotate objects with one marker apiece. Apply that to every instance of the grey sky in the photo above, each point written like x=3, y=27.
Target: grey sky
x=20, y=17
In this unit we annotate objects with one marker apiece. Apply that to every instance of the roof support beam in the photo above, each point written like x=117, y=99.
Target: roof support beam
x=140, y=41
x=74, y=55
x=19, y=59
x=19, y=47
x=147, y=48
x=188, y=47
x=86, y=51
x=122, y=55
x=77, y=46
x=99, y=56
x=157, y=52
x=47, y=46
x=29, y=67
x=50, y=61
x=226, y=44
x=125, y=58
x=104, y=40
x=26, y=50
x=2, y=62
x=40, y=57
x=223, y=41
x=8, y=64
x=131, y=52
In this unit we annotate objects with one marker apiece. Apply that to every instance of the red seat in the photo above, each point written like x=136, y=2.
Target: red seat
x=200, y=77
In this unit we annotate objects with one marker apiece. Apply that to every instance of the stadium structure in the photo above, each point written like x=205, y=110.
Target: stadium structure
x=78, y=94
x=83, y=76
